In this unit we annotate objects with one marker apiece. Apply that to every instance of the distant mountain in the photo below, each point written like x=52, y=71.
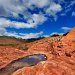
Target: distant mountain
x=55, y=35
x=65, y=34
x=17, y=42
x=12, y=41
x=34, y=39
x=8, y=39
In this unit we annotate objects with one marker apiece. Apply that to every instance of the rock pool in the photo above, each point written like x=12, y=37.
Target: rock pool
x=27, y=61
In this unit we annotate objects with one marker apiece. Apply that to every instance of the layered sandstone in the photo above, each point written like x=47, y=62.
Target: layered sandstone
x=8, y=54
x=70, y=38
x=60, y=52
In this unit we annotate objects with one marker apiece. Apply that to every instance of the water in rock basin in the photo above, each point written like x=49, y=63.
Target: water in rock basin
x=29, y=60
x=33, y=59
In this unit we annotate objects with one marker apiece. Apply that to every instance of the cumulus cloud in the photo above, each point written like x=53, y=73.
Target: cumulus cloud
x=24, y=36
x=67, y=6
x=12, y=8
x=4, y=23
x=32, y=35
x=15, y=7
x=73, y=13
x=66, y=28
x=8, y=23
x=53, y=9
x=20, y=35
x=35, y=20
x=56, y=33
x=71, y=4
x=2, y=31
x=38, y=3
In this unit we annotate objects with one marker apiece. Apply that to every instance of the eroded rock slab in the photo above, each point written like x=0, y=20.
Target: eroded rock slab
x=60, y=52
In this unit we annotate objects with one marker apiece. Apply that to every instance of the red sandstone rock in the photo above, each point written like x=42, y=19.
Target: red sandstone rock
x=60, y=54
x=50, y=67
x=61, y=59
x=70, y=38
x=8, y=54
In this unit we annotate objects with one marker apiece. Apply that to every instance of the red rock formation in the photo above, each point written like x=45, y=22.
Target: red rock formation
x=8, y=54
x=60, y=54
x=50, y=67
x=61, y=57
x=70, y=38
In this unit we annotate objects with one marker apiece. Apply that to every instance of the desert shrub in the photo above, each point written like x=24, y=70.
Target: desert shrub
x=8, y=44
x=68, y=54
x=23, y=48
x=54, y=35
x=73, y=51
x=59, y=46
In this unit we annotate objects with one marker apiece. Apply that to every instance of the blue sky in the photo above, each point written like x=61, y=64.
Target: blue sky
x=35, y=18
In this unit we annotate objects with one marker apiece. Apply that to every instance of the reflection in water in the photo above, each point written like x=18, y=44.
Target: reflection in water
x=33, y=59
x=29, y=60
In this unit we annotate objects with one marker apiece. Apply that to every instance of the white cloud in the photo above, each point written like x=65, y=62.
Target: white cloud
x=56, y=33
x=2, y=31
x=66, y=28
x=12, y=8
x=53, y=9
x=60, y=1
x=13, y=34
x=32, y=23
x=73, y=13
x=15, y=7
x=71, y=4
x=68, y=7
x=38, y=3
x=46, y=35
x=31, y=35
x=63, y=14
x=7, y=23
x=25, y=36
x=37, y=19
x=20, y=35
